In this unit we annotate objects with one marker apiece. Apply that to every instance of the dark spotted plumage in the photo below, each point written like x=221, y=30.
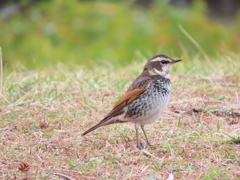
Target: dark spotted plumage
x=157, y=93
x=146, y=98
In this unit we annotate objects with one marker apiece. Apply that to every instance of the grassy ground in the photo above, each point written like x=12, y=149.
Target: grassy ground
x=44, y=113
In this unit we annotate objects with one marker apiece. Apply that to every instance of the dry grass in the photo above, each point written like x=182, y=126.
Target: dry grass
x=44, y=113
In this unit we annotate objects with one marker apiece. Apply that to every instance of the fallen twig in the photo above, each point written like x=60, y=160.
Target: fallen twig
x=64, y=176
x=3, y=129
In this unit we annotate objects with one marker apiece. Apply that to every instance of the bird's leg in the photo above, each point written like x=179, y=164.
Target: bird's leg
x=139, y=146
x=148, y=143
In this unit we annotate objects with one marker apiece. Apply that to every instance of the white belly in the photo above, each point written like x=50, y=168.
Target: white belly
x=154, y=114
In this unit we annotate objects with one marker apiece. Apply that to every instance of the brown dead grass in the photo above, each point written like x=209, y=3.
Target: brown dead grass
x=44, y=114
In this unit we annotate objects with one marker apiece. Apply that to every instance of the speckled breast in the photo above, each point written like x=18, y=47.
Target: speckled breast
x=153, y=101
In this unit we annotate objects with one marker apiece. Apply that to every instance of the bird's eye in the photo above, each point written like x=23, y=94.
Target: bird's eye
x=164, y=62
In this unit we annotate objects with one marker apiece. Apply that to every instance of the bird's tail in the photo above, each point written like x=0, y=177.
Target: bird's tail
x=92, y=129
x=104, y=122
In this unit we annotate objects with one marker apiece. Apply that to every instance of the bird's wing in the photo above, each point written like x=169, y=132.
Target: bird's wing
x=140, y=83
x=123, y=102
x=135, y=90
x=128, y=97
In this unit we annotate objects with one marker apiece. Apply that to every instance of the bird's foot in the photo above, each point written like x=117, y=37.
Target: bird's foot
x=148, y=143
x=140, y=146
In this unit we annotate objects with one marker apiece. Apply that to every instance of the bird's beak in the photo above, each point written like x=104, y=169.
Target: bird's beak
x=176, y=60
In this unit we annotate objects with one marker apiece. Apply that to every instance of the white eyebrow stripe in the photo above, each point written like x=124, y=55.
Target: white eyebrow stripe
x=158, y=59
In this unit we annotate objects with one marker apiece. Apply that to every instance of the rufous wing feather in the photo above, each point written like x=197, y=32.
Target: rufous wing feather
x=128, y=97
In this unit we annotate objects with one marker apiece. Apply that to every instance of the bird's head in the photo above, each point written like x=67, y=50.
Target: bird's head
x=160, y=64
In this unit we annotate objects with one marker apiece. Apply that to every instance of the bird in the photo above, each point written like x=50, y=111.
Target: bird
x=145, y=99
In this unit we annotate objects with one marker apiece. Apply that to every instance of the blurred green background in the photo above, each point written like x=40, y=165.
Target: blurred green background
x=92, y=33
